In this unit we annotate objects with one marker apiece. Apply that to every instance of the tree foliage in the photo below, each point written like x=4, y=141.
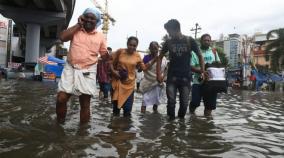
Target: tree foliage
x=222, y=56
x=164, y=39
x=276, y=48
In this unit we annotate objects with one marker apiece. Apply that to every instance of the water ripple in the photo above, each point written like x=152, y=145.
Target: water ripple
x=245, y=124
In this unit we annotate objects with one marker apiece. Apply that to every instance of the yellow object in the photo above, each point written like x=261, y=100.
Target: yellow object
x=49, y=76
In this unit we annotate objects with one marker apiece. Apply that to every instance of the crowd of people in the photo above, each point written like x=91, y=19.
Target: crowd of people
x=90, y=61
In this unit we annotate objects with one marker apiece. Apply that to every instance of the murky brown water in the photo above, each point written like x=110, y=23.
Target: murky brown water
x=245, y=124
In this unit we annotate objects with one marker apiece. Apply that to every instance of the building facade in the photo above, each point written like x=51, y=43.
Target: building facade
x=232, y=49
x=4, y=23
x=259, y=54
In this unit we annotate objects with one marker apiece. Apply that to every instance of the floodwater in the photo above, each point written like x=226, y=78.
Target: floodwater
x=246, y=124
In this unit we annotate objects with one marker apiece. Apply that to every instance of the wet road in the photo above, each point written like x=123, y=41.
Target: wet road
x=245, y=124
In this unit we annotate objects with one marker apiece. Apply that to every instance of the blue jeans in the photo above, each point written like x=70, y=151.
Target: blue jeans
x=127, y=106
x=197, y=94
x=105, y=88
x=182, y=84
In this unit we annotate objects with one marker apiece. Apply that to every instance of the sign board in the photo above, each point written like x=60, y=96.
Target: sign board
x=13, y=65
x=48, y=76
x=3, y=24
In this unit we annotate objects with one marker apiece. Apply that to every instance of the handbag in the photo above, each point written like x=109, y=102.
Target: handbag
x=123, y=73
x=217, y=82
x=217, y=86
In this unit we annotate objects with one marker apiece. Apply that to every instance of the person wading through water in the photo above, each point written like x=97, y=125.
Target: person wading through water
x=125, y=62
x=79, y=74
x=179, y=47
x=152, y=90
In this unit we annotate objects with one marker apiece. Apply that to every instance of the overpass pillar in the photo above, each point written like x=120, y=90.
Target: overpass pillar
x=32, y=43
x=42, y=50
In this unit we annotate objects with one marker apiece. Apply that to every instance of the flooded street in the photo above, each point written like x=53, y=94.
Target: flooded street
x=246, y=124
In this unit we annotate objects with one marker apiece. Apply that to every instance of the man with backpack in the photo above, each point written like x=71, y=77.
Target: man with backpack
x=209, y=98
x=179, y=47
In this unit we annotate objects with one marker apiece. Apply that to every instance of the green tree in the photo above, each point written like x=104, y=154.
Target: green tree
x=276, y=48
x=222, y=56
x=164, y=39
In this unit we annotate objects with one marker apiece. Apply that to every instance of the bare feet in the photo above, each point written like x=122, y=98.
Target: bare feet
x=101, y=95
x=143, y=109
x=207, y=112
x=155, y=108
x=192, y=109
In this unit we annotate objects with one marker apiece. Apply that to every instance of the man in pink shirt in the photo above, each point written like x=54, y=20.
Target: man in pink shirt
x=79, y=74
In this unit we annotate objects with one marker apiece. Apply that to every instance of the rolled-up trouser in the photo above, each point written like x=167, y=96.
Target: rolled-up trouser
x=210, y=100
x=196, y=96
x=182, y=84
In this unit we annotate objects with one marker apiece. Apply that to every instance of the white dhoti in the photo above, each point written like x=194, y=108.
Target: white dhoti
x=78, y=81
x=157, y=96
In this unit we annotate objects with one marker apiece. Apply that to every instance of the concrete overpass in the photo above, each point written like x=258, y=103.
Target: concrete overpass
x=40, y=21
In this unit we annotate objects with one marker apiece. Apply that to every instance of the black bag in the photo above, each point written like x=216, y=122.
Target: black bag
x=123, y=73
x=219, y=85
x=215, y=86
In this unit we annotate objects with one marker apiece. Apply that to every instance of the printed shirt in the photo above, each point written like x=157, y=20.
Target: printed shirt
x=85, y=48
x=208, y=57
x=179, y=55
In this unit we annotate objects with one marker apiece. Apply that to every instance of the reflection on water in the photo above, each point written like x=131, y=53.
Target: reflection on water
x=245, y=124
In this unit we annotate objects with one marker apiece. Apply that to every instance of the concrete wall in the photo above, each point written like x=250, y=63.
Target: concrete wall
x=15, y=47
x=3, y=40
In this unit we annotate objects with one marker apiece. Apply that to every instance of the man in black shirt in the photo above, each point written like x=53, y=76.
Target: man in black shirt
x=179, y=47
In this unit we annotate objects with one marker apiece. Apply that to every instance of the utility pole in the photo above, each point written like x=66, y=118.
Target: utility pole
x=197, y=27
x=9, y=38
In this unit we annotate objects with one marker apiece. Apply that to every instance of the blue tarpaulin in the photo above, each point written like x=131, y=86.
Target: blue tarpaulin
x=275, y=78
x=56, y=69
x=265, y=77
x=56, y=60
